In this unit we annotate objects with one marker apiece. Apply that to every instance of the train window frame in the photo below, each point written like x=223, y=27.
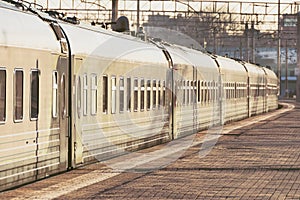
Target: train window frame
x=142, y=97
x=113, y=94
x=94, y=93
x=135, y=94
x=20, y=117
x=34, y=115
x=85, y=94
x=121, y=94
x=3, y=96
x=54, y=94
x=104, y=94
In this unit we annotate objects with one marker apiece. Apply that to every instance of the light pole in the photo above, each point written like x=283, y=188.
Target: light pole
x=278, y=50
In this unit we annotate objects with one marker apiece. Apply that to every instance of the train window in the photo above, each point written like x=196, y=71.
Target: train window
x=199, y=91
x=63, y=95
x=164, y=93
x=135, y=94
x=18, y=95
x=85, y=94
x=128, y=94
x=94, y=94
x=113, y=95
x=142, y=95
x=54, y=93
x=148, y=94
x=2, y=95
x=34, y=94
x=79, y=97
x=154, y=94
x=105, y=94
x=187, y=92
x=183, y=92
x=121, y=85
x=158, y=94
x=195, y=92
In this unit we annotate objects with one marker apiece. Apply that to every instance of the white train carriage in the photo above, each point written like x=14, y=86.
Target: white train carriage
x=271, y=90
x=119, y=95
x=71, y=94
x=234, y=80
x=33, y=142
x=257, y=89
x=196, y=82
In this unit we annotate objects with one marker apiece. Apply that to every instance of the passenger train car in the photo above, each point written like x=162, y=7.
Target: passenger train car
x=71, y=94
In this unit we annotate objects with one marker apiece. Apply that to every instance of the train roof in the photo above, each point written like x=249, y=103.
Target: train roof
x=186, y=56
x=89, y=41
x=25, y=30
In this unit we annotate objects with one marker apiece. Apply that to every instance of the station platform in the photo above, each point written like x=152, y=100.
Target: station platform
x=256, y=158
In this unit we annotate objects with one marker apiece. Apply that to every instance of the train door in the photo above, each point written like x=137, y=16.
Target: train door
x=64, y=117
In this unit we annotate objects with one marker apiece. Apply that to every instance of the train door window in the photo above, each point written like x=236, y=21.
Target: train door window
x=195, y=92
x=94, y=94
x=135, y=94
x=79, y=97
x=188, y=92
x=148, y=94
x=142, y=102
x=54, y=93
x=85, y=94
x=105, y=94
x=113, y=95
x=18, y=95
x=2, y=95
x=158, y=94
x=198, y=91
x=128, y=94
x=121, y=85
x=63, y=92
x=154, y=94
x=183, y=92
x=164, y=93
x=34, y=94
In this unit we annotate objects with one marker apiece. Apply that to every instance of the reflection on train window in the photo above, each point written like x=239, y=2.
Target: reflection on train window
x=2, y=95
x=18, y=95
x=93, y=94
x=34, y=98
x=128, y=94
x=142, y=95
x=105, y=94
x=121, y=94
x=148, y=94
x=113, y=95
x=154, y=94
x=135, y=95
x=54, y=94
x=79, y=97
x=85, y=94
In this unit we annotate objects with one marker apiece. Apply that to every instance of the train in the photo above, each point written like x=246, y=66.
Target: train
x=72, y=93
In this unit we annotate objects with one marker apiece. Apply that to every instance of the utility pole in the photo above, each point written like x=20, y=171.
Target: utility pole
x=298, y=58
x=114, y=14
x=278, y=50
x=138, y=16
x=286, y=69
